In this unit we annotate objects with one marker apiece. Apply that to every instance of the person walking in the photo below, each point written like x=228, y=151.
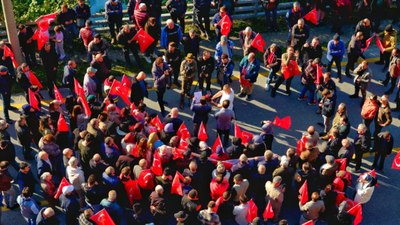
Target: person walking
x=161, y=73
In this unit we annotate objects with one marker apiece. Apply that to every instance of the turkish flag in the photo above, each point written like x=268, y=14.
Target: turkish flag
x=9, y=53
x=226, y=25
x=157, y=123
x=342, y=163
x=304, y=193
x=183, y=132
x=310, y=222
x=57, y=94
x=238, y=132
x=367, y=44
x=176, y=186
x=290, y=70
x=252, y=213
x=156, y=168
x=312, y=17
x=78, y=88
x=85, y=105
x=34, y=80
x=62, y=125
x=217, y=143
x=396, y=162
x=379, y=44
x=258, y=43
x=340, y=197
x=33, y=101
x=301, y=144
x=132, y=190
x=146, y=180
x=144, y=39
x=118, y=89
x=246, y=136
x=319, y=75
x=357, y=212
x=45, y=21
x=202, y=135
x=183, y=144
x=268, y=212
x=41, y=38
x=284, y=123
x=126, y=84
x=243, y=81
x=177, y=153
x=372, y=173
x=102, y=218
x=64, y=182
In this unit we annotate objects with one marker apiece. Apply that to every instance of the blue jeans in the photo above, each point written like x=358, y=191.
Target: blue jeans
x=271, y=76
x=270, y=16
x=311, y=89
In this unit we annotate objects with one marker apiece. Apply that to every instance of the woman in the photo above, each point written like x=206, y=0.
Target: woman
x=45, y=126
x=226, y=93
x=144, y=150
x=140, y=113
x=48, y=187
x=48, y=145
x=76, y=178
x=78, y=118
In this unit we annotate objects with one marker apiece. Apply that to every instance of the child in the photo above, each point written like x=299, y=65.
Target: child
x=59, y=39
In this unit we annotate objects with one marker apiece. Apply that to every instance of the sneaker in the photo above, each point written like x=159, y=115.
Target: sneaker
x=148, y=60
x=289, y=92
x=267, y=87
x=241, y=95
x=248, y=98
x=301, y=98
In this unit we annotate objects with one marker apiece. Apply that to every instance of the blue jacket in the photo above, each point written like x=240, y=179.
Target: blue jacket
x=200, y=112
x=218, y=50
x=168, y=36
x=335, y=50
x=42, y=167
x=113, y=10
x=251, y=69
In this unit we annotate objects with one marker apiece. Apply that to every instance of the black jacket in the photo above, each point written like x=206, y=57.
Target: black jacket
x=137, y=93
x=49, y=59
x=23, y=80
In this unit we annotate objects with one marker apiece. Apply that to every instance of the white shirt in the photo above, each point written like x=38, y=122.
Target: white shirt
x=226, y=96
x=364, y=193
x=240, y=212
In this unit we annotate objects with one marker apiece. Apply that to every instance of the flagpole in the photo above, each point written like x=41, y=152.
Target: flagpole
x=11, y=28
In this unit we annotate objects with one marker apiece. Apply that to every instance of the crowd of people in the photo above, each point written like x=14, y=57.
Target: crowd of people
x=147, y=168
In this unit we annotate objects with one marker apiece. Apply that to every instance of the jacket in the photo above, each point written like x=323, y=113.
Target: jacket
x=362, y=142
x=311, y=210
x=188, y=70
x=299, y=36
x=153, y=31
x=160, y=79
x=82, y=12
x=201, y=3
x=141, y=18
x=124, y=37
x=363, y=193
x=249, y=70
x=365, y=77
x=292, y=17
x=29, y=208
x=138, y=90
x=41, y=220
x=5, y=180
x=170, y=35
x=394, y=66
x=383, y=145
x=224, y=118
x=389, y=41
x=5, y=84
x=355, y=46
x=177, y=8
x=273, y=59
x=113, y=11
x=328, y=107
x=335, y=50
x=23, y=80
x=384, y=116
x=191, y=45
x=311, y=52
x=219, y=50
x=200, y=112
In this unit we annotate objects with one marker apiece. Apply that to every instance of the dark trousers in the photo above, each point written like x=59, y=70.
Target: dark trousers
x=338, y=61
x=271, y=18
x=358, y=159
x=134, y=51
x=352, y=59
x=385, y=58
x=181, y=21
x=51, y=76
x=202, y=15
x=6, y=104
x=378, y=129
x=208, y=82
x=311, y=90
x=160, y=98
x=367, y=122
x=150, y=49
x=380, y=156
x=70, y=33
x=357, y=89
x=393, y=81
x=30, y=56
x=224, y=135
x=280, y=80
x=112, y=22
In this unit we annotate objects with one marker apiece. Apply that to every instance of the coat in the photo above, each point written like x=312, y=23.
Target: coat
x=364, y=77
x=335, y=50
x=249, y=69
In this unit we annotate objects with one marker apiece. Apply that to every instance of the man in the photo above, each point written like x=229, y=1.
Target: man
x=206, y=65
x=6, y=188
x=308, y=79
x=67, y=18
x=5, y=91
x=200, y=113
x=158, y=205
x=27, y=44
x=287, y=57
x=327, y=105
x=191, y=43
x=272, y=61
x=82, y=11
x=224, y=117
x=389, y=42
x=173, y=58
x=361, y=81
x=275, y=194
x=188, y=71
x=365, y=27
x=99, y=46
x=170, y=33
x=70, y=204
x=354, y=51
x=138, y=88
x=393, y=71
x=86, y=33
x=383, y=117
x=292, y=16
x=161, y=73
x=6, y=60
x=103, y=71
x=225, y=46
x=311, y=50
x=270, y=9
x=124, y=38
x=246, y=38
x=177, y=9
x=299, y=34
x=208, y=216
x=249, y=68
x=113, y=9
x=201, y=14
x=113, y=208
x=25, y=177
x=383, y=145
x=336, y=50
x=23, y=73
x=50, y=63
x=312, y=209
x=224, y=71
x=362, y=143
x=44, y=164
x=327, y=83
x=69, y=75
x=46, y=216
x=90, y=82
x=216, y=19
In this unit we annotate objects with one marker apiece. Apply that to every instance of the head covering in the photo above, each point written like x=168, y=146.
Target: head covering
x=3, y=69
x=190, y=56
x=169, y=128
x=91, y=99
x=267, y=128
x=389, y=28
x=68, y=189
x=257, y=139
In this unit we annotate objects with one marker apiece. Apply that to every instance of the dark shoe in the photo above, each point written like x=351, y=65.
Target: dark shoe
x=353, y=96
x=379, y=63
x=241, y=95
x=340, y=79
x=383, y=82
x=301, y=98
x=289, y=92
x=273, y=93
x=248, y=98
x=348, y=74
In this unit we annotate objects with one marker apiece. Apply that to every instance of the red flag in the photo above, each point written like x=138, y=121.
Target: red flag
x=57, y=94
x=176, y=187
x=258, y=43
x=342, y=163
x=372, y=173
x=78, y=88
x=102, y=218
x=183, y=144
x=183, y=132
x=396, y=162
x=132, y=190
x=243, y=81
x=304, y=193
x=252, y=213
x=118, y=89
x=217, y=203
x=246, y=136
x=34, y=80
x=41, y=37
x=367, y=43
x=9, y=53
x=312, y=17
x=379, y=44
x=268, y=212
x=319, y=75
x=357, y=212
x=157, y=123
x=202, y=135
x=62, y=125
x=144, y=39
x=85, y=105
x=284, y=123
x=310, y=222
x=290, y=70
x=146, y=180
x=238, y=132
x=340, y=197
x=64, y=182
x=217, y=143
x=177, y=153
x=226, y=25
x=33, y=101
x=126, y=84
x=156, y=168
x=301, y=144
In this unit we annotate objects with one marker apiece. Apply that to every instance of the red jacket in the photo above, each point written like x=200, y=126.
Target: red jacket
x=218, y=189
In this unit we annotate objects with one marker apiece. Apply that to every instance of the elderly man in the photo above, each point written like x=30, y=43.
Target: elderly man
x=383, y=145
x=312, y=209
x=393, y=71
x=5, y=91
x=299, y=34
x=90, y=82
x=138, y=88
x=354, y=51
x=275, y=194
x=206, y=66
x=246, y=37
x=362, y=143
x=69, y=75
x=272, y=61
x=361, y=81
x=383, y=117
x=177, y=9
x=158, y=205
x=170, y=33
x=113, y=208
x=98, y=46
x=249, y=68
x=125, y=38
x=188, y=71
x=113, y=9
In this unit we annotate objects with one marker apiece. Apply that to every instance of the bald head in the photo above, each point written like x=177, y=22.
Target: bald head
x=112, y=196
x=174, y=112
x=48, y=212
x=141, y=76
